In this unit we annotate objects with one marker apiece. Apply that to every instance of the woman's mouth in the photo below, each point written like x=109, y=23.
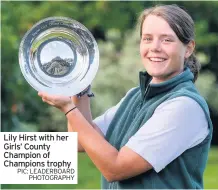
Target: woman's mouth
x=157, y=59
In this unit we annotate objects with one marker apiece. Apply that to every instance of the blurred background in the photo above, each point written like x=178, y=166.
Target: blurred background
x=113, y=25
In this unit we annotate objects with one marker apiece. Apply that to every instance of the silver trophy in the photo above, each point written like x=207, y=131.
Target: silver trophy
x=59, y=56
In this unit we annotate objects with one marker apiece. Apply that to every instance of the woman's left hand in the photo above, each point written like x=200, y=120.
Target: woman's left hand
x=64, y=103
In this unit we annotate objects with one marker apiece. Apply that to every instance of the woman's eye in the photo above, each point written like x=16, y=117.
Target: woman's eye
x=147, y=39
x=167, y=40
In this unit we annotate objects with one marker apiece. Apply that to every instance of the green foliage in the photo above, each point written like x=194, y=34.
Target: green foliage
x=118, y=70
x=119, y=54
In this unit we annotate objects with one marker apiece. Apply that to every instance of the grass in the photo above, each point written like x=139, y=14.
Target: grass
x=89, y=176
x=211, y=173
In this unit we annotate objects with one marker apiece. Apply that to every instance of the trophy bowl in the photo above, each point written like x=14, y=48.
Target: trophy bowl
x=59, y=55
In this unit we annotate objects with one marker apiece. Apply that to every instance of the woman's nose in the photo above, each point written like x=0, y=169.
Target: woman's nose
x=155, y=46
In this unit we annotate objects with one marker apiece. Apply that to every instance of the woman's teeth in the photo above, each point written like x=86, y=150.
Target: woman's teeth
x=155, y=59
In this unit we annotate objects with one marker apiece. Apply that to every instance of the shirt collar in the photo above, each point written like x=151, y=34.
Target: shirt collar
x=149, y=90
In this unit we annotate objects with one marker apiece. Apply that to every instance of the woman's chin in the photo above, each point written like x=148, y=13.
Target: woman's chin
x=155, y=73
x=157, y=76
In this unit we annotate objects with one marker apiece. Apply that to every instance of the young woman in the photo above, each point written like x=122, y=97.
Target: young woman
x=159, y=134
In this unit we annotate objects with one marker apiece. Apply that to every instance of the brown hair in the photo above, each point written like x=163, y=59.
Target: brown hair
x=181, y=23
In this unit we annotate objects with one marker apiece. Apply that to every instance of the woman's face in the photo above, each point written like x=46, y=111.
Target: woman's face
x=161, y=50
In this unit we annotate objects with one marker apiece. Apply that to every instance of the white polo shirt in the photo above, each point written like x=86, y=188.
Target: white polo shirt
x=176, y=125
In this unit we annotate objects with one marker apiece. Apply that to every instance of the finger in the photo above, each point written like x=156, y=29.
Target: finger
x=51, y=97
x=48, y=102
x=43, y=95
x=40, y=94
x=46, y=97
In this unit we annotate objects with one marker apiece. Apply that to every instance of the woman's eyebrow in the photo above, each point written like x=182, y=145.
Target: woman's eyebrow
x=147, y=34
x=167, y=35
x=161, y=35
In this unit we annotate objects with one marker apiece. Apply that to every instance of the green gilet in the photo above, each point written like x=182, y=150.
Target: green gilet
x=186, y=171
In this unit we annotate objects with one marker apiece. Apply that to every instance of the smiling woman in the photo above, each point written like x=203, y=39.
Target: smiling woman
x=167, y=46
x=161, y=130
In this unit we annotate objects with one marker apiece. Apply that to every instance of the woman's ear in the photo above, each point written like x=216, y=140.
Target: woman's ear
x=190, y=48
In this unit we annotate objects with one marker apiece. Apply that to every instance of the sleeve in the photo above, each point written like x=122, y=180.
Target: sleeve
x=175, y=126
x=105, y=119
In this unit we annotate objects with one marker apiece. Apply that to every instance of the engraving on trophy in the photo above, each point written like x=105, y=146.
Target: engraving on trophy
x=26, y=68
x=35, y=33
x=45, y=26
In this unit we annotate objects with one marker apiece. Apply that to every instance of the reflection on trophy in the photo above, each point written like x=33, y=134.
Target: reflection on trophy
x=58, y=66
x=59, y=55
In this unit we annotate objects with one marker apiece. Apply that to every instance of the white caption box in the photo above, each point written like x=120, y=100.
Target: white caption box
x=38, y=158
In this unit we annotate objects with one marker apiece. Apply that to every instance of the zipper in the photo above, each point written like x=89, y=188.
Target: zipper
x=109, y=185
x=113, y=185
x=146, y=91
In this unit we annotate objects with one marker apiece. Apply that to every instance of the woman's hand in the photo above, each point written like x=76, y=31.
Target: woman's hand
x=64, y=103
